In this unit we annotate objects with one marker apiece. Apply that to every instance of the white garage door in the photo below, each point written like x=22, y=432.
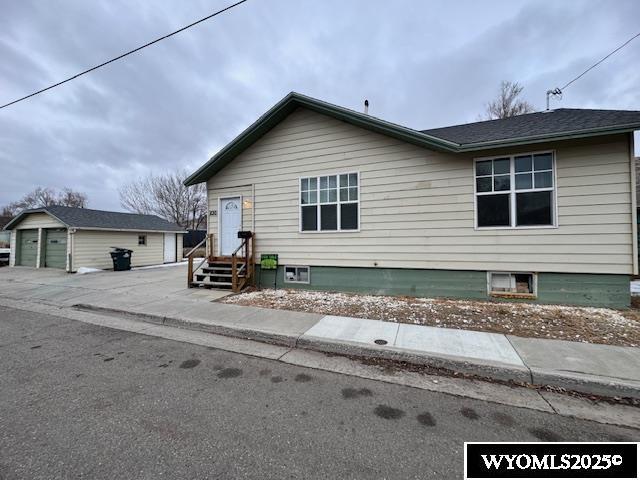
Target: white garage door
x=169, y=247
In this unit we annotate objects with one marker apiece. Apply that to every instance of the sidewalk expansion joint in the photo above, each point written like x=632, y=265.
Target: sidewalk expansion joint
x=521, y=359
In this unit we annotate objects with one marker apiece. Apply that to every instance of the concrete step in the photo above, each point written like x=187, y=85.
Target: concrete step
x=203, y=283
x=217, y=275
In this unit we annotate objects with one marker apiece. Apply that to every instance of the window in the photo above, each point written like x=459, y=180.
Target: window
x=512, y=284
x=142, y=239
x=329, y=203
x=294, y=274
x=515, y=191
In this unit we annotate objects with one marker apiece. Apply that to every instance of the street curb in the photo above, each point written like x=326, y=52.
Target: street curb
x=587, y=384
x=244, y=333
x=496, y=371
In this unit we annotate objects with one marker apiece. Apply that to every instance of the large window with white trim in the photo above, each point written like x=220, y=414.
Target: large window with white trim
x=330, y=203
x=515, y=191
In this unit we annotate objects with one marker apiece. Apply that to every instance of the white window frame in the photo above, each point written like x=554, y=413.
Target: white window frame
x=338, y=203
x=284, y=273
x=512, y=192
x=145, y=240
x=534, y=281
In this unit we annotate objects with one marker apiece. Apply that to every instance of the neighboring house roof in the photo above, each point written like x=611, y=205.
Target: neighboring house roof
x=558, y=124
x=4, y=221
x=84, y=218
x=546, y=124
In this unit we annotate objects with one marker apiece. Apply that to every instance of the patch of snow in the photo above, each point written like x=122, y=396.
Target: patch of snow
x=635, y=287
x=84, y=270
x=163, y=265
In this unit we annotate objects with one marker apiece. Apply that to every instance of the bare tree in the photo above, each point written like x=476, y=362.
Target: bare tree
x=507, y=104
x=45, y=197
x=7, y=211
x=70, y=198
x=168, y=197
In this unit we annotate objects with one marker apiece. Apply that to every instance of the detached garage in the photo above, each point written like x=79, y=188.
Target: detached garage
x=69, y=238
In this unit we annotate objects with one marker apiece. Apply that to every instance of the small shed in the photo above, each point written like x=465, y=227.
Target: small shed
x=69, y=238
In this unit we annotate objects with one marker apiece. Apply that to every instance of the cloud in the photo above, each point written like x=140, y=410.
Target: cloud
x=422, y=64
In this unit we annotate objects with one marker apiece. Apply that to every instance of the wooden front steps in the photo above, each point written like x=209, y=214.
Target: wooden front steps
x=218, y=273
x=233, y=272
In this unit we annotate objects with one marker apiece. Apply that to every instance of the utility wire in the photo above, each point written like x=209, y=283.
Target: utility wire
x=124, y=54
x=603, y=59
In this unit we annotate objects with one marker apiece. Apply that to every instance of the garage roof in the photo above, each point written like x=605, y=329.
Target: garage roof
x=85, y=218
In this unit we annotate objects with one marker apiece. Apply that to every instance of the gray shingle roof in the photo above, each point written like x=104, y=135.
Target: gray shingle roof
x=560, y=124
x=101, y=219
x=540, y=124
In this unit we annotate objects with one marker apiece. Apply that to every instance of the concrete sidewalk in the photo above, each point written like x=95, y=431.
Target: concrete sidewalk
x=156, y=296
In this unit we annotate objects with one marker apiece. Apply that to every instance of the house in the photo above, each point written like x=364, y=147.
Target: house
x=69, y=238
x=536, y=207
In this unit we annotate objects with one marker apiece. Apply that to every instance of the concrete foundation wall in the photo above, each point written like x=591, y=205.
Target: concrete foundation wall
x=600, y=290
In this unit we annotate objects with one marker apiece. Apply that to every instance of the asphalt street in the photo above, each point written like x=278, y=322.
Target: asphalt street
x=83, y=401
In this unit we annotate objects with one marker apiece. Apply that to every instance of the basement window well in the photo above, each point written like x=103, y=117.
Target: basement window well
x=295, y=274
x=512, y=284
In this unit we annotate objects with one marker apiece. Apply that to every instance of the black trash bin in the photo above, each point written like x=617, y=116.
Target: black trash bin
x=121, y=258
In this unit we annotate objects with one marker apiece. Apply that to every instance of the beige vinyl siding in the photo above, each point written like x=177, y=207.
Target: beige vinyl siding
x=179, y=246
x=12, y=252
x=39, y=220
x=417, y=205
x=91, y=248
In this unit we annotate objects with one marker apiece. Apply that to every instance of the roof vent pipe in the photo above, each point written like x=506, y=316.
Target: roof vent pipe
x=366, y=107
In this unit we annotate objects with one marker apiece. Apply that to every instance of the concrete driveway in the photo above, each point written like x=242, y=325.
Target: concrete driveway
x=133, y=287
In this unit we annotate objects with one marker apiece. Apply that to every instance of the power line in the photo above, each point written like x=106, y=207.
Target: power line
x=124, y=54
x=602, y=60
x=558, y=91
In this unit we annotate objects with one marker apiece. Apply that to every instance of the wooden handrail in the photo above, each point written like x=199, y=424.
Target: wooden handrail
x=208, y=240
x=244, y=242
x=234, y=273
x=196, y=247
x=246, y=254
x=243, y=253
x=210, y=247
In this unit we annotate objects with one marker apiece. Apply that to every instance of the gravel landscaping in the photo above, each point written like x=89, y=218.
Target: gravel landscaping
x=578, y=324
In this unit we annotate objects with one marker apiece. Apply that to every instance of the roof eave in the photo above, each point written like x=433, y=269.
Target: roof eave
x=140, y=230
x=294, y=100
x=471, y=147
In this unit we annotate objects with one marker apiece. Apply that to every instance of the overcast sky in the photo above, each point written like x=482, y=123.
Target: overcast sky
x=422, y=64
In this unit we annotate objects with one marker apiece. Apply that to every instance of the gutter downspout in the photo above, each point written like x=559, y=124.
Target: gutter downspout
x=634, y=203
x=70, y=244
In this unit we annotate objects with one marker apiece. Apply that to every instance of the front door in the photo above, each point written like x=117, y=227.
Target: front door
x=169, y=247
x=230, y=224
x=55, y=252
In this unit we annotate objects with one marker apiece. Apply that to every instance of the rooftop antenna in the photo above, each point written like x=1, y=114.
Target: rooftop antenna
x=556, y=92
x=366, y=107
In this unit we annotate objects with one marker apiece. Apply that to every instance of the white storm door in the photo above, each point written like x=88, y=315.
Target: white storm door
x=169, y=247
x=230, y=224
